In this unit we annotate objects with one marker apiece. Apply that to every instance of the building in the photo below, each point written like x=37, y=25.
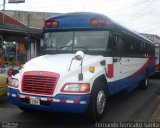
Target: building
x=12, y=35
x=156, y=40
x=31, y=19
x=13, y=52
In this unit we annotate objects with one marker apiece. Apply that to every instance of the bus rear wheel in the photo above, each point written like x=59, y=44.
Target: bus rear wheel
x=97, y=103
x=144, y=83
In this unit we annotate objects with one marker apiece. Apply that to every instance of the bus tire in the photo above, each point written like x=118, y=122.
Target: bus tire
x=144, y=83
x=97, y=103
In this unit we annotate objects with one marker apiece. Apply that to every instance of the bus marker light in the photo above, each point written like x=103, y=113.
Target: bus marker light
x=85, y=88
x=94, y=22
x=102, y=22
x=48, y=24
x=55, y=24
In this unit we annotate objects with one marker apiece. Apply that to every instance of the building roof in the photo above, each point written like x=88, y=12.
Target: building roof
x=11, y=25
x=5, y=19
x=19, y=29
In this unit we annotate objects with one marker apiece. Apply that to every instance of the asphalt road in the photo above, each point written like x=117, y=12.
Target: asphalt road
x=137, y=105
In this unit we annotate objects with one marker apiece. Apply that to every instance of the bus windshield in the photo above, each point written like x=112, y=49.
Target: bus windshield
x=71, y=41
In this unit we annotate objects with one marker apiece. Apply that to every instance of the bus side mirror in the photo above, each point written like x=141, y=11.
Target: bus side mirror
x=79, y=55
x=27, y=42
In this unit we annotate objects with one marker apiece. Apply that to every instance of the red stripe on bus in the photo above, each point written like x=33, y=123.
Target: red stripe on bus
x=63, y=101
x=17, y=96
x=149, y=61
x=49, y=99
x=76, y=102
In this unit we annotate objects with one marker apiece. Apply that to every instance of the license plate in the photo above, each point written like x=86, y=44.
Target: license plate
x=34, y=101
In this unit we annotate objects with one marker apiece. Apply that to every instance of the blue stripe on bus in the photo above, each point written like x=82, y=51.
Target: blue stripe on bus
x=128, y=83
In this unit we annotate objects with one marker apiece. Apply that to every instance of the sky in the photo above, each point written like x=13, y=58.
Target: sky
x=142, y=16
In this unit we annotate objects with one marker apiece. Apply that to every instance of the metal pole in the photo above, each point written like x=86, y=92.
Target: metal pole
x=16, y=52
x=4, y=2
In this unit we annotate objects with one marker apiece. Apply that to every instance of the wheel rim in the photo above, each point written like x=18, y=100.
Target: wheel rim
x=146, y=82
x=101, y=102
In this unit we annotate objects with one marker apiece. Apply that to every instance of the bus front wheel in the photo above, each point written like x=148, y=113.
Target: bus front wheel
x=97, y=103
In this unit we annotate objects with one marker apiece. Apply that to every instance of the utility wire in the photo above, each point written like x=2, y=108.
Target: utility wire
x=141, y=15
x=157, y=27
x=72, y=5
x=129, y=7
x=151, y=25
x=138, y=14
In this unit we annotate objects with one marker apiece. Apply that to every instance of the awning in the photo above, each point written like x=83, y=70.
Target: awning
x=24, y=30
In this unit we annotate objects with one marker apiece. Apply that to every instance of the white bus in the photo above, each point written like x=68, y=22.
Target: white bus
x=87, y=57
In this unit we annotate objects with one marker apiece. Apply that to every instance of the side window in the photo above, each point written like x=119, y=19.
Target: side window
x=142, y=48
x=128, y=45
x=132, y=46
x=149, y=49
x=119, y=45
x=110, y=46
x=136, y=51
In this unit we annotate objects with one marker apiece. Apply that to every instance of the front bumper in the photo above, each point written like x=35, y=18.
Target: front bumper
x=60, y=103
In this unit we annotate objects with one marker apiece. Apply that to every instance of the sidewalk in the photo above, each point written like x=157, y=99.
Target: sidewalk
x=156, y=115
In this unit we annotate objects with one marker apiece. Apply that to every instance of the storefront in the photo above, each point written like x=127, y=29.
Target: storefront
x=13, y=52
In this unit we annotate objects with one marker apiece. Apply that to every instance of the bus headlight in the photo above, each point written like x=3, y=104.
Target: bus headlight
x=76, y=88
x=13, y=82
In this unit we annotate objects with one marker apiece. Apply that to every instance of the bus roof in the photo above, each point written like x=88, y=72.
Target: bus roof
x=78, y=20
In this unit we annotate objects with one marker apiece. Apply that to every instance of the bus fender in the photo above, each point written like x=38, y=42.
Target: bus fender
x=101, y=79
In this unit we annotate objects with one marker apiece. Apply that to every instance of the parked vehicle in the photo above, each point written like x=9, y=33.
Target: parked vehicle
x=3, y=85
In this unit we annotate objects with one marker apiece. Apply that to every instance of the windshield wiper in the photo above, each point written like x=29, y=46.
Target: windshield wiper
x=64, y=47
x=69, y=44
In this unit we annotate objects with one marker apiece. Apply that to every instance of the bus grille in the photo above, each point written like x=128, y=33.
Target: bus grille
x=39, y=82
